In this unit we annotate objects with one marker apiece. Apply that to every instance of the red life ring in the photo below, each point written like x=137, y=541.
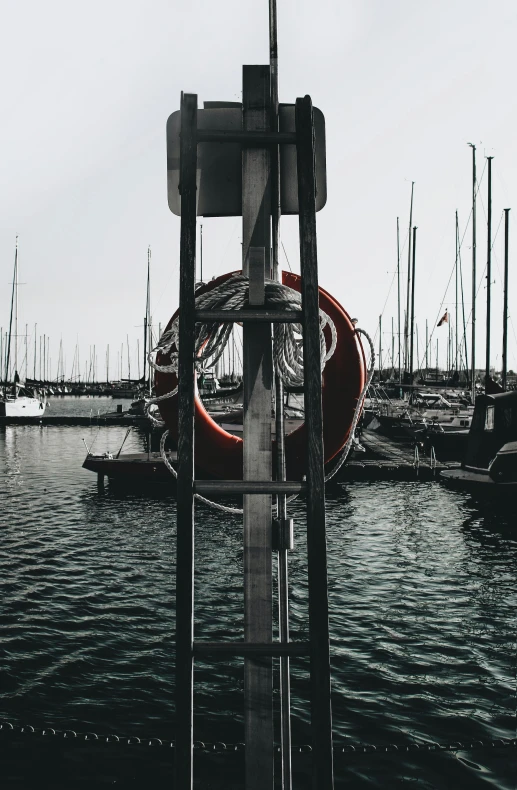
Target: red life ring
x=220, y=453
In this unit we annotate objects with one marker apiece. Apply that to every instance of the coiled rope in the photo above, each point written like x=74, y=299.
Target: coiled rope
x=212, y=338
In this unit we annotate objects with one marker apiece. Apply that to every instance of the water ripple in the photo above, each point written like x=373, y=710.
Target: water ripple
x=422, y=593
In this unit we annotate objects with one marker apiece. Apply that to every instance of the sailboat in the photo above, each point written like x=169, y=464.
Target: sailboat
x=15, y=399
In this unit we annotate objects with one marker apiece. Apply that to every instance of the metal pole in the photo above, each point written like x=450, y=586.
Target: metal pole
x=456, y=313
x=426, y=345
x=398, y=297
x=412, y=309
x=35, y=349
x=505, y=297
x=380, y=347
x=201, y=253
x=473, y=341
x=392, y=349
x=488, y=270
x=406, y=329
x=16, y=311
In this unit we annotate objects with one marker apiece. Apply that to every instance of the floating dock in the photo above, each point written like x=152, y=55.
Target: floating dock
x=116, y=418
x=383, y=459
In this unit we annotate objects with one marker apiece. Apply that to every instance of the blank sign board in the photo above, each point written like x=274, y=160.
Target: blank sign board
x=219, y=173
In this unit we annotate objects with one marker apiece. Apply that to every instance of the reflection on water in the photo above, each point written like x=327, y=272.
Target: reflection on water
x=422, y=590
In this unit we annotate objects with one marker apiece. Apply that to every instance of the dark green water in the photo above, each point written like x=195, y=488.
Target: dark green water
x=422, y=589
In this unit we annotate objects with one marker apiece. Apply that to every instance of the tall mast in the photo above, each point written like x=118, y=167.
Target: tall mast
x=147, y=310
x=426, y=345
x=16, y=309
x=488, y=270
x=201, y=253
x=412, y=309
x=456, y=316
x=398, y=296
x=406, y=329
x=380, y=348
x=473, y=341
x=505, y=297
x=13, y=298
x=392, y=349
x=128, y=359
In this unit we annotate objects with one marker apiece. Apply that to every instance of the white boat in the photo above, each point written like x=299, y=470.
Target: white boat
x=21, y=403
x=16, y=400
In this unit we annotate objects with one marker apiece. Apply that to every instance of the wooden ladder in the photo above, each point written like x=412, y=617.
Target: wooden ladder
x=258, y=487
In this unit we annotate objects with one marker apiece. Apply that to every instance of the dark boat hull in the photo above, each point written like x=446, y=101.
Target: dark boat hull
x=131, y=468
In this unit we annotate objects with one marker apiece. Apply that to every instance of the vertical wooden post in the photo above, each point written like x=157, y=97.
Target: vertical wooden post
x=258, y=376
x=185, y=487
x=321, y=716
x=488, y=271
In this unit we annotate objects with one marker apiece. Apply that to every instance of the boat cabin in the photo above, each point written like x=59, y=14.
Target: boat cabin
x=494, y=425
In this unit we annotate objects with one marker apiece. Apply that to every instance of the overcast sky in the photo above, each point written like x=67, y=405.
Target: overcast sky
x=404, y=85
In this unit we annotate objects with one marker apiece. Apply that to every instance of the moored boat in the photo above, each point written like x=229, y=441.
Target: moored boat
x=490, y=464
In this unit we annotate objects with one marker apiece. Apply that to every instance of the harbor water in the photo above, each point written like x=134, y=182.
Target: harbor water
x=423, y=601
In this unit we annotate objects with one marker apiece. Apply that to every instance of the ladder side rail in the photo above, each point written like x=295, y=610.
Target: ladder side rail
x=185, y=487
x=321, y=712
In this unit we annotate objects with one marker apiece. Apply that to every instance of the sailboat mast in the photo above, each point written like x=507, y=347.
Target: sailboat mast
x=16, y=310
x=426, y=346
x=412, y=308
x=398, y=296
x=128, y=359
x=505, y=297
x=147, y=310
x=406, y=328
x=9, y=339
x=380, y=348
x=456, y=316
x=392, y=349
x=488, y=270
x=201, y=253
x=473, y=341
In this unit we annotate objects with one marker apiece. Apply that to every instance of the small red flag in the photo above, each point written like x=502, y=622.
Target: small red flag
x=444, y=319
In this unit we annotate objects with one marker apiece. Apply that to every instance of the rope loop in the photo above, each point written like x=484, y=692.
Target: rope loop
x=212, y=338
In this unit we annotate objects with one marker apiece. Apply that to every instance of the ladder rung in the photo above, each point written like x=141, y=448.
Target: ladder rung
x=245, y=137
x=248, y=487
x=271, y=316
x=253, y=648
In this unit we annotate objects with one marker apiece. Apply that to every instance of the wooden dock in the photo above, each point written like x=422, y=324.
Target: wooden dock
x=385, y=459
x=94, y=419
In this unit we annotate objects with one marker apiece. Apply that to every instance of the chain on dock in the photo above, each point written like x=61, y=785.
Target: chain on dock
x=348, y=747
